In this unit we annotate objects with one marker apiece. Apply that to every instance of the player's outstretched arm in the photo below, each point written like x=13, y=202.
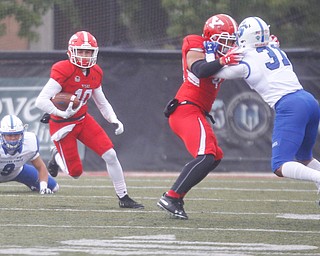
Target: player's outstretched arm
x=43, y=175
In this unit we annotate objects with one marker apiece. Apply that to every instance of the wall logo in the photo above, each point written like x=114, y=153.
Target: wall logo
x=22, y=104
x=248, y=116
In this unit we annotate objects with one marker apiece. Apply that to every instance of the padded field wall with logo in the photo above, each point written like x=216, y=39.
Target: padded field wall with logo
x=138, y=85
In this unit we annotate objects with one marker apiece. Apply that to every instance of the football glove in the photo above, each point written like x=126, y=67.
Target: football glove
x=210, y=47
x=210, y=50
x=116, y=123
x=69, y=112
x=119, y=127
x=232, y=57
x=273, y=40
x=45, y=191
x=45, y=118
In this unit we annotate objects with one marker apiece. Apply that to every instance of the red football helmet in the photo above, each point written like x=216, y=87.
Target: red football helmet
x=221, y=28
x=83, y=40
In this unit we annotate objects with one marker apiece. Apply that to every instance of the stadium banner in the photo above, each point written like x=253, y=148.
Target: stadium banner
x=138, y=85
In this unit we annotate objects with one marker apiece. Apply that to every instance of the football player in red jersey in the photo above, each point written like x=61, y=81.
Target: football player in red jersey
x=81, y=76
x=202, y=57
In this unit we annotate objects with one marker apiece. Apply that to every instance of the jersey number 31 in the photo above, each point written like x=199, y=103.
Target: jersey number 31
x=272, y=54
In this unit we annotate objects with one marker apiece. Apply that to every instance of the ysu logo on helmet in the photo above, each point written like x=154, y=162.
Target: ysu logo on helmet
x=74, y=37
x=215, y=22
x=220, y=29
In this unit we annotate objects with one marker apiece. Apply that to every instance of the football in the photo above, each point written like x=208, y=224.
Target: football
x=62, y=99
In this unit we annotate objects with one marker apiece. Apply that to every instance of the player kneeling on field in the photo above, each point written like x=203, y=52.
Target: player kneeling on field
x=17, y=148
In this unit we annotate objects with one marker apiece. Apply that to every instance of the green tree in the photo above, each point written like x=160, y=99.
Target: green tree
x=144, y=20
x=28, y=13
x=161, y=23
x=188, y=16
x=295, y=22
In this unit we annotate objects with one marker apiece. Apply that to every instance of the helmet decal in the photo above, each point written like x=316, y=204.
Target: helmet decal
x=241, y=29
x=215, y=21
x=221, y=29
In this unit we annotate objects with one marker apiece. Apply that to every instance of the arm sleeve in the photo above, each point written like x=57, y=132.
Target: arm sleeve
x=103, y=105
x=202, y=68
x=239, y=71
x=43, y=101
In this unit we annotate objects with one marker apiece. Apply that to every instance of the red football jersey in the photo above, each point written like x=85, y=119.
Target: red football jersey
x=201, y=91
x=87, y=129
x=189, y=122
x=73, y=80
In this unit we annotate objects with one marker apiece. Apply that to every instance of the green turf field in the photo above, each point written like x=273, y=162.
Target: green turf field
x=228, y=215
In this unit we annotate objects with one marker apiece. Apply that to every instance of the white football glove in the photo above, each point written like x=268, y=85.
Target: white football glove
x=115, y=121
x=119, y=125
x=69, y=112
x=45, y=191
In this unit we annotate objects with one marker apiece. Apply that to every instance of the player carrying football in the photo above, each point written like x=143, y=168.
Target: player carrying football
x=202, y=57
x=81, y=76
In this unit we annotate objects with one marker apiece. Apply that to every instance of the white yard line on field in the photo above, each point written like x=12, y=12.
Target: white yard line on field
x=160, y=228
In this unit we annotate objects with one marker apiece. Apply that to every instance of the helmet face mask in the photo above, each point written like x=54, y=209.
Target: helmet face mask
x=80, y=44
x=225, y=41
x=11, y=134
x=221, y=29
x=253, y=32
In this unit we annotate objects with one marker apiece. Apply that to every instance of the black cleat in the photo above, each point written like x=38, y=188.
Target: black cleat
x=173, y=206
x=53, y=167
x=45, y=118
x=127, y=202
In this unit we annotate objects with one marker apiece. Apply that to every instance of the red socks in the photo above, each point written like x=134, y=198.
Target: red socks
x=173, y=194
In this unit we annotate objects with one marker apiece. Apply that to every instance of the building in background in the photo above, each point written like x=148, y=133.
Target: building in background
x=12, y=42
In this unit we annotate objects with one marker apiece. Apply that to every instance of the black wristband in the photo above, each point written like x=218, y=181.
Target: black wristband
x=202, y=69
